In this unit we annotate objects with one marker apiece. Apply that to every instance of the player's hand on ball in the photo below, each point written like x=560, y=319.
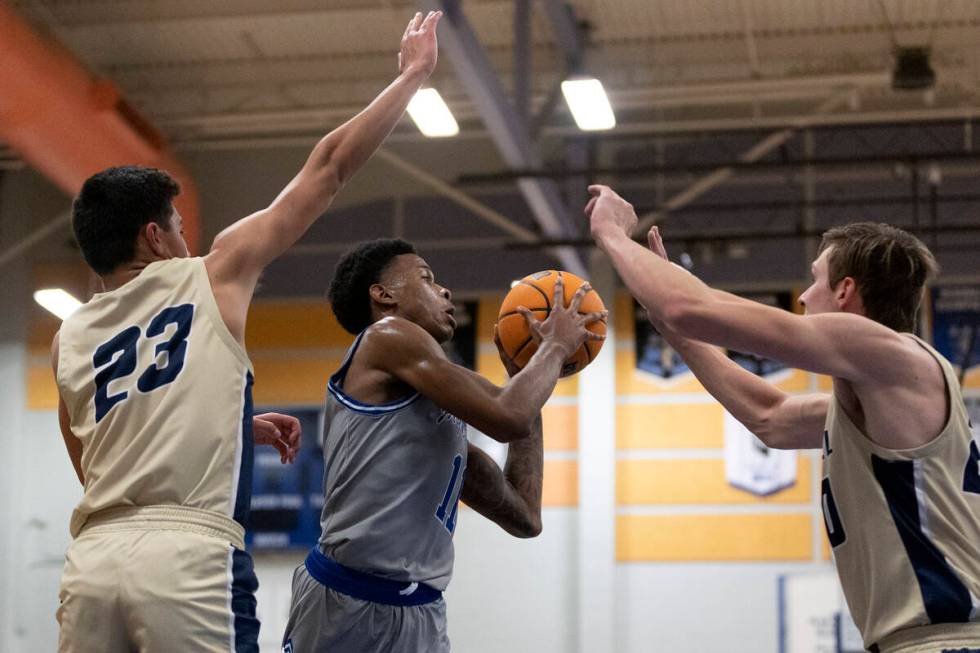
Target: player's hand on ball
x=420, y=48
x=564, y=326
x=281, y=431
x=609, y=213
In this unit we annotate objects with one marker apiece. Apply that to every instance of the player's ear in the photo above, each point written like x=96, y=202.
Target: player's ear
x=847, y=294
x=153, y=233
x=381, y=295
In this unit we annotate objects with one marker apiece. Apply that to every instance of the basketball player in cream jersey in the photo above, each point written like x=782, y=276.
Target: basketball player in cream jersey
x=155, y=390
x=901, y=487
x=396, y=457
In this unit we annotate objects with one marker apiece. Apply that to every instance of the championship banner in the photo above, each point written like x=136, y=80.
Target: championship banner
x=813, y=617
x=752, y=466
x=956, y=330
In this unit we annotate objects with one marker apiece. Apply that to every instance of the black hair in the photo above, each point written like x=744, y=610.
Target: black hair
x=113, y=206
x=356, y=272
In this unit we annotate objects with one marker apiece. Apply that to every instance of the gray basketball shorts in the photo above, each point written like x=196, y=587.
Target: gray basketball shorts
x=322, y=620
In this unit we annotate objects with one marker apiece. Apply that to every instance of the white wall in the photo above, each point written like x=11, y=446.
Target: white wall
x=508, y=595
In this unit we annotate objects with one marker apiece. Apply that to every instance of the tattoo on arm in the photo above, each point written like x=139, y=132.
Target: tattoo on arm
x=510, y=497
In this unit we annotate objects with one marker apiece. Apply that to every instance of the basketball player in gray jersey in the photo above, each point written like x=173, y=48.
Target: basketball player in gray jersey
x=397, y=460
x=901, y=487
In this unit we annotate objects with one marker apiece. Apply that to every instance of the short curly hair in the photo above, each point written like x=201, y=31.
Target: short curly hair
x=356, y=272
x=113, y=206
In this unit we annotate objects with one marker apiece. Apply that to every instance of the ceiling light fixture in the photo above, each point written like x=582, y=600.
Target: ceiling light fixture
x=58, y=301
x=587, y=100
x=432, y=115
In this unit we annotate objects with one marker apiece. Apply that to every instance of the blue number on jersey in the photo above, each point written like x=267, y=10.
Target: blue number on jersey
x=831, y=518
x=125, y=344
x=175, y=348
x=971, y=477
x=451, y=497
x=116, y=367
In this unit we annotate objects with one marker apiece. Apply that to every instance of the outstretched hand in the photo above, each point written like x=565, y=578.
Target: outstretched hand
x=281, y=431
x=420, y=48
x=564, y=325
x=656, y=242
x=609, y=213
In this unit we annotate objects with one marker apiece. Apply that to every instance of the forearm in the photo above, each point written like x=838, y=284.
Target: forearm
x=743, y=394
x=344, y=150
x=778, y=419
x=510, y=498
x=527, y=391
x=336, y=158
x=663, y=288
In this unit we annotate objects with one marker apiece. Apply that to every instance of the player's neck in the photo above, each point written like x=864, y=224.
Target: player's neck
x=125, y=273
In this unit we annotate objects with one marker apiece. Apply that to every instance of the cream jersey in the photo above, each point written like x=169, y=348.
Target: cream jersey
x=159, y=394
x=905, y=530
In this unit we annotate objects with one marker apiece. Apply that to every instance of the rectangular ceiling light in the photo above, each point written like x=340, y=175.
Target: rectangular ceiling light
x=431, y=115
x=57, y=301
x=588, y=103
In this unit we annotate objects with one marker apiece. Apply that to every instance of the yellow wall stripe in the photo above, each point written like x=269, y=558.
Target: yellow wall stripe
x=285, y=381
x=42, y=392
x=696, y=481
x=560, y=483
x=713, y=537
x=560, y=423
x=293, y=325
x=673, y=426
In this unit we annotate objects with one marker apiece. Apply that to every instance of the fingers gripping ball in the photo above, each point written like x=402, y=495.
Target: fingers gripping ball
x=535, y=292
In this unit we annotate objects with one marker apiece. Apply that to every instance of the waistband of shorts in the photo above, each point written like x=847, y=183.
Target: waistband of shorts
x=166, y=518
x=366, y=587
x=934, y=637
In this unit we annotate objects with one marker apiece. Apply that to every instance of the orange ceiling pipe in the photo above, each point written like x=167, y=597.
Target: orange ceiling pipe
x=69, y=125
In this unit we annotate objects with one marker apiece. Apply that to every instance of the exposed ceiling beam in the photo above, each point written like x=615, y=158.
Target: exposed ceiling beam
x=705, y=183
x=458, y=40
x=566, y=31
x=445, y=189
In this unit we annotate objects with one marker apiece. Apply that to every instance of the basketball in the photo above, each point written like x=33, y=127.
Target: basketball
x=535, y=292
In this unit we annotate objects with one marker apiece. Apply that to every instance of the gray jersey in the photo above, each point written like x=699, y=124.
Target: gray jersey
x=392, y=478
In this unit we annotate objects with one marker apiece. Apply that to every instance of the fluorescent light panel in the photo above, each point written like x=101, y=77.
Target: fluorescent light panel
x=57, y=301
x=588, y=103
x=431, y=115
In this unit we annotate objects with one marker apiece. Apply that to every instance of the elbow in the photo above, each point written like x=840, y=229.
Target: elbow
x=510, y=427
x=513, y=432
x=332, y=177
x=526, y=528
x=681, y=314
x=765, y=430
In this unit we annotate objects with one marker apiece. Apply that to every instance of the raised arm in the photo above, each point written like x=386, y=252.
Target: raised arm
x=406, y=352
x=780, y=420
x=843, y=345
x=240, y=252
x=511, y=498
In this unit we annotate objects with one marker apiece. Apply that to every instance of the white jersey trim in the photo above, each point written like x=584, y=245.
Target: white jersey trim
x=239, y=447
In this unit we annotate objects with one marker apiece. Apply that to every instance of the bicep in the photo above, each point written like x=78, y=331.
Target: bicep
x=246, y=247
x=455, y=389
x=797, y=422
x=837, y=344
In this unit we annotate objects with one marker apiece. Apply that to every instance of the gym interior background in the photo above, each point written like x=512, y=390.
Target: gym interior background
x=743, y=128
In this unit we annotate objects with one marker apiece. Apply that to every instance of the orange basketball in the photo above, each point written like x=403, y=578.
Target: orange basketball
x=535, y=293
